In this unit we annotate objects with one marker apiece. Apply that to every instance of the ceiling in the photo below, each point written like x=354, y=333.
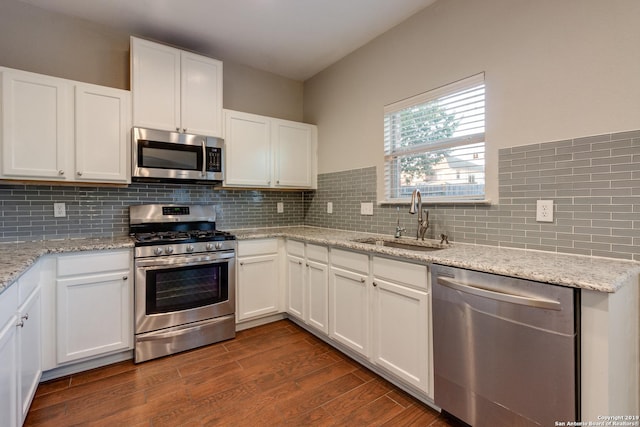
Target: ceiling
x=292, y=38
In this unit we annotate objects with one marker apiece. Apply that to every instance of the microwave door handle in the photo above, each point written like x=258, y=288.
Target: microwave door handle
x=204, y=158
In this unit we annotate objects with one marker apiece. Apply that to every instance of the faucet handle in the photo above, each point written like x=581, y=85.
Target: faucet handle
x=444, y=239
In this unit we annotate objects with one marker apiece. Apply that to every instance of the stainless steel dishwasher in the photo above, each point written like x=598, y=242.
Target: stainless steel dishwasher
x=506, y=351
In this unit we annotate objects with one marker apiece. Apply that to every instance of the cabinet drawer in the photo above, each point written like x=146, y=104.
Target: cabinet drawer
x=257, y=247
x=8, y=304
x=350, y=260
x=400, y=272
x=295, y=248
x=28, y=282
x=93, y=262
x=318, y=253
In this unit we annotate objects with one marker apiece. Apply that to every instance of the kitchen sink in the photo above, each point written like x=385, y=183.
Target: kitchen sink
x=416, y=245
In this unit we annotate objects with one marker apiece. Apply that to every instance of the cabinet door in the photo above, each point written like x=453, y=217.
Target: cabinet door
x=247, y=149
x=349, y=309
x=258, y=292
x=400, y=335
x=201, y=95
x=296, y=286
x=8, y=377
x=102, y=134
x=294, y=153
x=29, y=350
x=155, y=85
x=93, y=315
x=36, y=124
x=318, y=296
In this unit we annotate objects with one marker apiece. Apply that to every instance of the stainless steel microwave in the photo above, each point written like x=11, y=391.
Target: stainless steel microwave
x=163, y=156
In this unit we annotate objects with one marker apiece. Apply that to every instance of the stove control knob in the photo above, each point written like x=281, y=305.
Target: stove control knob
x=209, y=246
x=190, y=248
x=169, y=250
x=218, y=245
x=157, y=251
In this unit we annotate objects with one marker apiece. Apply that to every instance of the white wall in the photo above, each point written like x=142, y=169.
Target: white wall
x=34, y=39
x=555, y=69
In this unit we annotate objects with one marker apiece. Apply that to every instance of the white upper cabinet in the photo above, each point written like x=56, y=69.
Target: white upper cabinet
x=102, y=134
x=294, y=153
x=247, y=149
x=267, y=152
x=201, y=98
x=37, y=118
x=155, y=85
x=50, y=134
x=175, y=90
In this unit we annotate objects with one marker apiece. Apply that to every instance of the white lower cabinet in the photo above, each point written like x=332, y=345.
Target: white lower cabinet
x=29, y=350
x=308, y=284
x=349, y=315
x=296, y=285
x=296, y=280
x=257, y=279
x=8, y=357
x=317, y=314
x=380, y=308
x=401, y=321
x=94, y=304
x=20, y=347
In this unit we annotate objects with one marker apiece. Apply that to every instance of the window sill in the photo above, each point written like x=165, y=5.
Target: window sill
x=401, y=202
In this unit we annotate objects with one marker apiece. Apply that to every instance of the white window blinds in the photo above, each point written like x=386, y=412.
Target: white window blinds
x=435, y=142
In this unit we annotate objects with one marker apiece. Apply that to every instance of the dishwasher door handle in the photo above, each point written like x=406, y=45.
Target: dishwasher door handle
x=500, y=296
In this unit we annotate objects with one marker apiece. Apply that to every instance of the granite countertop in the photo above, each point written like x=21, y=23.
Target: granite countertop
x=599, y=274
x=16, y=258
x=594, y=273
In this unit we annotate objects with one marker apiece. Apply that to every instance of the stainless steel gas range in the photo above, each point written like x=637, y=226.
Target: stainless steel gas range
x=184, y=279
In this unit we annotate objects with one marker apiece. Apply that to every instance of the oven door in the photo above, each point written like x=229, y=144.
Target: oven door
x=181, y=289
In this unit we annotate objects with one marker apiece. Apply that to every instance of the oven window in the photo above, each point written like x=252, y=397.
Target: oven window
x=161, y=155
x=183, y=288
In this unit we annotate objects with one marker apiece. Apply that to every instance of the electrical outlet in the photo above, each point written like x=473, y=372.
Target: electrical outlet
x=59, y=210
x=544, y=210
x=366, y=208
x=329, y=207
x=280, y=207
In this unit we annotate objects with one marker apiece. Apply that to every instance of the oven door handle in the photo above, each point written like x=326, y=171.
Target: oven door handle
x=184, y=261
x=181, y=330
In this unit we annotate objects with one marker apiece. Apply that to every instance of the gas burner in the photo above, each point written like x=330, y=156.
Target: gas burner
x=173, y=225
x=204, y=235
x=161, y=236
x=165, y=237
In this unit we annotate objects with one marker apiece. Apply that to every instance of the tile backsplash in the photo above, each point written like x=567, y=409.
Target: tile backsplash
x=593, y=181
x=27, y=210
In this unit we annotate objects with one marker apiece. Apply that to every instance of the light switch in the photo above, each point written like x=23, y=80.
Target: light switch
x=366, y=208
x=329, y=207
x=280, y=207
x=59, y=210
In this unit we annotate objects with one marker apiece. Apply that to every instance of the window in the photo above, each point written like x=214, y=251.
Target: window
x=435, y=142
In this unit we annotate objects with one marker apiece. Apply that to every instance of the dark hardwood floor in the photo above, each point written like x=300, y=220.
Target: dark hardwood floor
x=272, y=375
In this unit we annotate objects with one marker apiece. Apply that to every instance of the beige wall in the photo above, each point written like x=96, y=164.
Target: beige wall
x=554, y=70
x=36, y=40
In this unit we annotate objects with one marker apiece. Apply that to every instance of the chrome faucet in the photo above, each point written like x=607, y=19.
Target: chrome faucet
x=423, y=222
x=399, y=229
